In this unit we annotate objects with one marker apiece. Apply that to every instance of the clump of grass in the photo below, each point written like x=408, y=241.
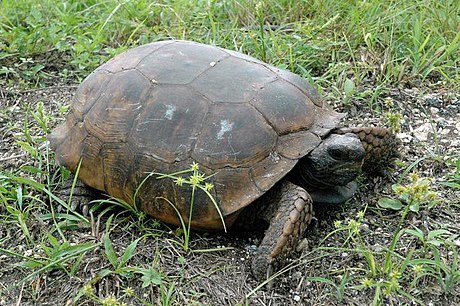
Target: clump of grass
x=344, y=43
x=453, y=179
x=23, y=195
x=25, y=199
x=110, y=300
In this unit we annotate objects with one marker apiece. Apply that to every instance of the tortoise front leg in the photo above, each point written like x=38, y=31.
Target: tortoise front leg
x=380, y=144
x=289, y=208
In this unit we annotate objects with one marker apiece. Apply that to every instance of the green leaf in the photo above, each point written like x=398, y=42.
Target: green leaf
x=390, y=203
x=417, y=233
x=30, y=264
x=348, y=87
x=435, y=242
x=19, y=196
x=320, y=279
x=74, y=250
x=436, y=233
x=108, y=247
x=181, y=260
x=110, y=251
x=415, y=207
x=58, y=216
x=105, y=272
x=451, y=184
x=26, y=181
x=31, y=169
x=53, y=241
x=150, y=276
x=28, y=148
x=128, y=253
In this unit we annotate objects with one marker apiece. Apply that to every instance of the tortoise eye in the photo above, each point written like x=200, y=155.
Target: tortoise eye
x=337, y=153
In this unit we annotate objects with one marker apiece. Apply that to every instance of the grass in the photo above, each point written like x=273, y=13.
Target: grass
x=344, y=42
x=354, y=51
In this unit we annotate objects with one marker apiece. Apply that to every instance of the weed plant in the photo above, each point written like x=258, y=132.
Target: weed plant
x=197, y=181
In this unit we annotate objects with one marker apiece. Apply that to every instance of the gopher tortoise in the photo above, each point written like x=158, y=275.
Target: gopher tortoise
x=268, y=141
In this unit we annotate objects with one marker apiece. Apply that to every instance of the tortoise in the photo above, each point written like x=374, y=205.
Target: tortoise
x=266, y=138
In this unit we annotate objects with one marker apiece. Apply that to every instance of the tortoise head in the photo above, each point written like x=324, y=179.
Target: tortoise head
x=336, y=161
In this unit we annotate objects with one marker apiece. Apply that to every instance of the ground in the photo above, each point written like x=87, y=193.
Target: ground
x=330, y=267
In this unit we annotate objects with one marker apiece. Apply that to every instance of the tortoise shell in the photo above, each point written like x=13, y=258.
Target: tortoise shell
x=162, y=106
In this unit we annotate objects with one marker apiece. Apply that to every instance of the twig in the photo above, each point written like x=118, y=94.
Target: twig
x=11, y=157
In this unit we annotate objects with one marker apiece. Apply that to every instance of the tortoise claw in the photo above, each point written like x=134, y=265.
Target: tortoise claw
x=79, y=196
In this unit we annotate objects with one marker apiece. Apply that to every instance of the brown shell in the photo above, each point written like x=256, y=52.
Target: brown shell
x=162, y=106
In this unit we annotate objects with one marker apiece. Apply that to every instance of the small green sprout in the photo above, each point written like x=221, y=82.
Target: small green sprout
x=418, y=269
x=354, y=225
x=392, y=286
x=366, y=282
x=180, y=181
x=414, y=194
x=129, y=291
x=194, y=167
x=395, y=274
x=393, y=121
x=110, y=301
x=88, y=290
x=196, y=179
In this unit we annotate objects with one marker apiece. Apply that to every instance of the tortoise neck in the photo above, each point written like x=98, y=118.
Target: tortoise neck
x=302, y=176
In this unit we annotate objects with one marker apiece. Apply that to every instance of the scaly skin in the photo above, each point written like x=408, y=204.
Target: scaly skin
x=288, y=209
x=380, y=144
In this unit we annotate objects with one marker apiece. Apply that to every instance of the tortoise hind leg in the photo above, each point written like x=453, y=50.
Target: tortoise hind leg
x=380, y=144
x=77, y=197
x=291, y=208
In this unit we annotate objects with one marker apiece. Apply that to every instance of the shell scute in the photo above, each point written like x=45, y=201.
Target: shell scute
x=233, y=136
x=180, y=62
x=112, y=117
x=169, y=123
x=233, y=80
x=285, y=107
